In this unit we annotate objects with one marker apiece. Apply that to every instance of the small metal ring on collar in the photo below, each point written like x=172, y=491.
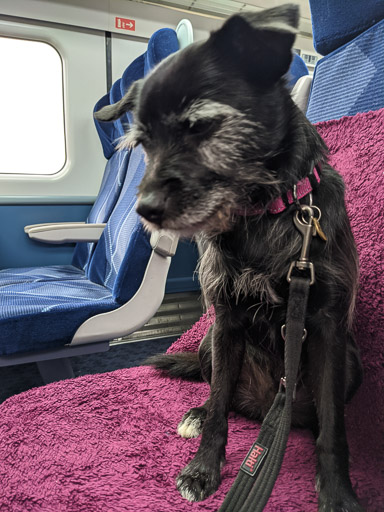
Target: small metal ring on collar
x=318, y=210
x=295, y=199
x=304, y=209
x=283, y=331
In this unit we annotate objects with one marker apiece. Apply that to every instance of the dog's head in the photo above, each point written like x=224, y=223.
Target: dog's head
x=210, y=118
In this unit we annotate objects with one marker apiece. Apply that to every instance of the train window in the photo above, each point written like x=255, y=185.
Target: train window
x=32, y=130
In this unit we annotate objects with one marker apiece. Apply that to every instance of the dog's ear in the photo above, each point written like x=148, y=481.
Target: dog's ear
x=259, y=44
x=127, y=102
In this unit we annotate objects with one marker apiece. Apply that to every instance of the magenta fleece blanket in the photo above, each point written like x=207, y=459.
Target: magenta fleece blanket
x=108, y=442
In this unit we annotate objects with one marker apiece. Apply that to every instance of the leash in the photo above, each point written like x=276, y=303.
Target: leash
x=258, y=472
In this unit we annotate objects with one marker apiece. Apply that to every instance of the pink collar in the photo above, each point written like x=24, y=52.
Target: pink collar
x=303, y=187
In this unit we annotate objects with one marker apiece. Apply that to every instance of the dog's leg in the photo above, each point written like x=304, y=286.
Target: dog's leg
x=201, y=477
x=326, y=358
x=192, y=422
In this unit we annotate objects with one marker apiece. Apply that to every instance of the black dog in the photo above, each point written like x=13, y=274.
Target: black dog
x=223, y=140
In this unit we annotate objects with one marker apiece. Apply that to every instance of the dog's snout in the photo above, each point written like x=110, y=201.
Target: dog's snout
x=151, y=207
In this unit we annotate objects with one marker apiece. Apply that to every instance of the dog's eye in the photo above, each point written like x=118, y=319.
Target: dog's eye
x=202, y=127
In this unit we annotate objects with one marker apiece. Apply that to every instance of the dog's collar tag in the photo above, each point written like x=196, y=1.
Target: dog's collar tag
x=302, y=188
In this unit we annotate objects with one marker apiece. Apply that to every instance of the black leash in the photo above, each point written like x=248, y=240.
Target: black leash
x=258, y=472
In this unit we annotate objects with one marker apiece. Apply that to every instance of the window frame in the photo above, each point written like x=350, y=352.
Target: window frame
x=62, y=95
x=78, y=181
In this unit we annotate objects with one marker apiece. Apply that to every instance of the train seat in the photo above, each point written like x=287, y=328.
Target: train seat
x=43, y=309
x=87, y=232
x=350, y=79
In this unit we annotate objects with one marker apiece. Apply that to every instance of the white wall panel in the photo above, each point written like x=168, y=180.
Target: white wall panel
x=124, y=51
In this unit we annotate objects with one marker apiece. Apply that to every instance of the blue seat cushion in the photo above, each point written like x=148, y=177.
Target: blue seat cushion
x=349, y=80
x=336, y=22
x=45, y=313
x=10, y=276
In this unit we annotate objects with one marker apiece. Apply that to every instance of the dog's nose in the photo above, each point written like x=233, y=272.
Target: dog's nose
x=151, y=208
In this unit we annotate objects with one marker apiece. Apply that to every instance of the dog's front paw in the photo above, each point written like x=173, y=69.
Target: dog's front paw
x=338, y=499
x=192, y=422
x=197, y=481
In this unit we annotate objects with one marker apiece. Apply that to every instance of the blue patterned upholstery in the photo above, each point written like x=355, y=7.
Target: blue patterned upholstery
x=42, y=308
x=336, y=22
x=121, y=238
x=349, y=80
x=110, y=189
x=46, y=314
x=113, y=177
x=12, y=276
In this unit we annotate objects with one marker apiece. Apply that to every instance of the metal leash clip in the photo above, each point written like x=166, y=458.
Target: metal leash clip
x=283, y=384
x=307, y=230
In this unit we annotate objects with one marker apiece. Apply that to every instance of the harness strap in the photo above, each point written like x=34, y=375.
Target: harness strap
x=258, y=473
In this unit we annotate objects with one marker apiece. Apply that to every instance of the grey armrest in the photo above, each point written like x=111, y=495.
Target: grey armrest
x=27, y=229
x=300, y=92
x=66, y=232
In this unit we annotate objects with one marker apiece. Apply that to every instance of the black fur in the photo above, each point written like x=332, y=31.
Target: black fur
x=221, y=134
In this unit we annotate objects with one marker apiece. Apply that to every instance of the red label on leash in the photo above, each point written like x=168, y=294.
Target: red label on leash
x=125, y=24
x=254, y=459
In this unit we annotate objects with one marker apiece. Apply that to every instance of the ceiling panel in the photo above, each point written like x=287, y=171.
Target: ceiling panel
x=224, y=8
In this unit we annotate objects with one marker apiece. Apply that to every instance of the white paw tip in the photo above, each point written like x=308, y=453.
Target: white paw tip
x=189, y=428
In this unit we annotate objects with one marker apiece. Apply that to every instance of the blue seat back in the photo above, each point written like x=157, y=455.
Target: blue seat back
x=350, y=79
x=113, y=178
x=337, y=22
x=122, y=253
x=158, y=47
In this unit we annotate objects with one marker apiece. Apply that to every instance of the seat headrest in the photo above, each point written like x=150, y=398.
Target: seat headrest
x=338, y=22
x=162, y=43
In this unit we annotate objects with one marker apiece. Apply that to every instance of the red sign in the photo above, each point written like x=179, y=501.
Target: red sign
x=124, y=24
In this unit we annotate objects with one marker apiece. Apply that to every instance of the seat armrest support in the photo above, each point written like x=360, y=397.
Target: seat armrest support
x=164, y=242
x=143, y=305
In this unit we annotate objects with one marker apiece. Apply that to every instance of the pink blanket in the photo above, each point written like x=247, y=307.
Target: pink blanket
x=108, y=442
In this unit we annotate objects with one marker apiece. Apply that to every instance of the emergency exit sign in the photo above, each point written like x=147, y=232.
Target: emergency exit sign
x=124, y=24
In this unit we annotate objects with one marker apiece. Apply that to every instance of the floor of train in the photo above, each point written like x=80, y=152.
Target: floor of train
x=175, y=316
